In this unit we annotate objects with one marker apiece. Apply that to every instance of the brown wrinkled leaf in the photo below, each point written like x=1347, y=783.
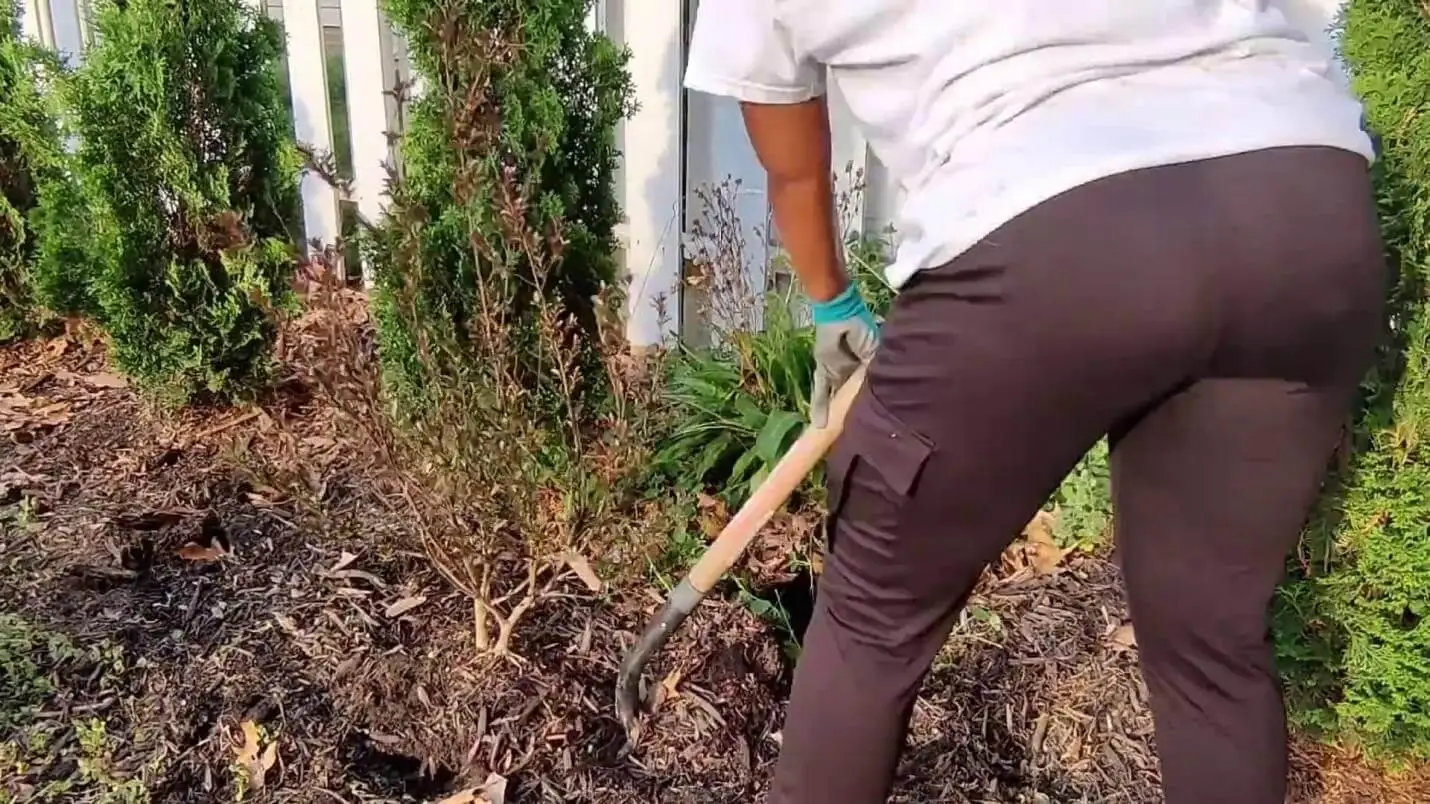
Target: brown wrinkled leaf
x=256, y=765
x=668, y=689
x=1124, y=636
x=51, y=415
x=1043, y=551
x=405, y=605
x=582, y=568
x=248, y=751
x=671, y=682
x=492, y=791
x=345, y=559
x=57, y=347
x=197, y=552
x=714, y=515
x=270, y=756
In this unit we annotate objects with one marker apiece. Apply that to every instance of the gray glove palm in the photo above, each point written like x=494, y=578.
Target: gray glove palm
x=845, y=337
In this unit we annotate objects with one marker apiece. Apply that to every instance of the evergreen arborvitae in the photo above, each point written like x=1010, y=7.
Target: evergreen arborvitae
x=1352, y=620
x=30, y=156
x=509, y=160
x=186, y=153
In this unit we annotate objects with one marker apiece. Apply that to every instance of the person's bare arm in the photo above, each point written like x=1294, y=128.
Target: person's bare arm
x=792, y=143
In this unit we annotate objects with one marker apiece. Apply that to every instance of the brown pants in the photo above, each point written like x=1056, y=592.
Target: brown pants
x=1215, y=318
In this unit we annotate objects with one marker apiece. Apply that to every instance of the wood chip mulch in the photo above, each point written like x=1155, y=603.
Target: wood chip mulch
x=255, y=647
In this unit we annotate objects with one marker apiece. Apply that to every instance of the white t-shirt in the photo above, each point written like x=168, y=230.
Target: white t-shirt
x=982, y=109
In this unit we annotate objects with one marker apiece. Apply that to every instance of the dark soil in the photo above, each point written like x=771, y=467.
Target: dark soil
x=228, y=603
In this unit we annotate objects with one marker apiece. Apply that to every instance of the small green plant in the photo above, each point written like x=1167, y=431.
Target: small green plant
x=1083, y=502
x=186, y=156
x=24, y=685
x=35, y=666
x=739, y=403
x=739, y=406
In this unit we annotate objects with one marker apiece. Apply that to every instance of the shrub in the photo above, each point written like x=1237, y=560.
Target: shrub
x=549, y=93
x=186, y=156
x=510, y=419
x=738, y=405
x=1352, y=629
x=30, y=156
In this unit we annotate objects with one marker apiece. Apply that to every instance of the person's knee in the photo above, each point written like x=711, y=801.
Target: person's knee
x=1221, y=643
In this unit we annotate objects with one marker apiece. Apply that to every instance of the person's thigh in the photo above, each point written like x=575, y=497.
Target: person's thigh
x=1212, y=485
x=1211, y=490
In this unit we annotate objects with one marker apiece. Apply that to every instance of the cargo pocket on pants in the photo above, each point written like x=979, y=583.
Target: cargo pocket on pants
x=874, y=469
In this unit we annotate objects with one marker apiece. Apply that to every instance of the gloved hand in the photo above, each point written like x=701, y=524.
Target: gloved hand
x=845, y=336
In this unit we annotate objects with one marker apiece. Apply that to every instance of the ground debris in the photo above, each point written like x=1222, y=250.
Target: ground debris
x=255, y=644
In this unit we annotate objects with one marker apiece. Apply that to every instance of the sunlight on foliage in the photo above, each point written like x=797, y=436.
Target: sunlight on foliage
x=187, y=162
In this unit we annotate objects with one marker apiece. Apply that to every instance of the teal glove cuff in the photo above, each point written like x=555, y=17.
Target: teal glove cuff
x=847, y=305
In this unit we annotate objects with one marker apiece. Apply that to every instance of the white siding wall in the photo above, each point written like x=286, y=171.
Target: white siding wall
x=674, y=144
x=653, y=178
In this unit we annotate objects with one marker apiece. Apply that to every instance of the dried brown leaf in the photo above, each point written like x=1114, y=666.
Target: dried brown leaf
x=345, y=559
x=347, y=574
x=714, y=519
x=105, y=380
x=198, y=552
x=1043, y=551
x=270, y=756
x=248, y=750
x=582, y=568
x=51, y=415
x=1124, y=636
x=405, y=605
x=492, y=791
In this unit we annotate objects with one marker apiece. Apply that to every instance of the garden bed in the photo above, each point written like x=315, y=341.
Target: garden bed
x=191, y=616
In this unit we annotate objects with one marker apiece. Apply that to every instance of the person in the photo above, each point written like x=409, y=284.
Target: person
x=1147, y=220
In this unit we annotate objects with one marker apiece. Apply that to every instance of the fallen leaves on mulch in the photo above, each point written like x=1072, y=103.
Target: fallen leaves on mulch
x=319, y=658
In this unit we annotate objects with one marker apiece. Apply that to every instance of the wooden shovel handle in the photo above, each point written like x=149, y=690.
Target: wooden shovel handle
x=787, y=475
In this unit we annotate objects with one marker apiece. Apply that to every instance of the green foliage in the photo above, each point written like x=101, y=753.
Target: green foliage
x=542, y=95
x=186, y=163
x=30, y=159
x=1083, y=502
x=38, y=669
x=1351, y=621
x=23, y=684
x=866, y=257
x=738, y=406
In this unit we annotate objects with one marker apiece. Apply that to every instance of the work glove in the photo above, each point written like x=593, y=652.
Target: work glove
x=845, y=336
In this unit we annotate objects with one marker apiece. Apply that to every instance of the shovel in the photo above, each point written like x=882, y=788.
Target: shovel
x=727, y=548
